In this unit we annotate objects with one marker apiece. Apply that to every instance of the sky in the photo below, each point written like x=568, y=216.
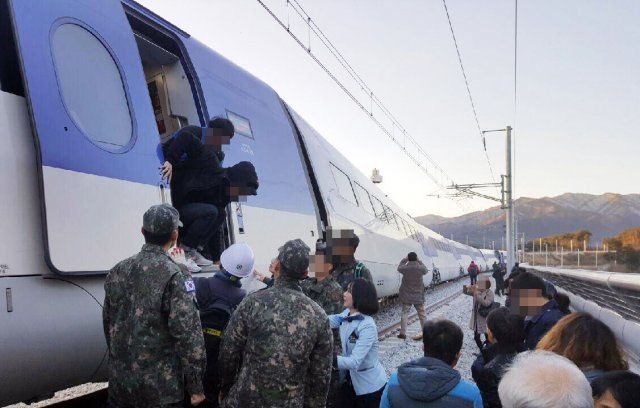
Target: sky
x=576, y=116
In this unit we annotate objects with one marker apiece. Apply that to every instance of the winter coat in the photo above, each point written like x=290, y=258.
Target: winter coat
x=429, y=382
x=482, y=297
x=197, y=168
x=412, y=286
x=488, y=373
x=536, y=326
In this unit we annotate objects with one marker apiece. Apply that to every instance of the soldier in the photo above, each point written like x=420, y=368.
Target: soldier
x=342, y=245
x=322, y=288
x=277, y=349
x=327, y=293
x=151, y=324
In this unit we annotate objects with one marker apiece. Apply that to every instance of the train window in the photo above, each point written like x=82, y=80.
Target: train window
x=379, y=208
x=406, y=227
x=241, y=124
x=344, y=185
x=395, y=217
x=363, y=198
x=91, y=87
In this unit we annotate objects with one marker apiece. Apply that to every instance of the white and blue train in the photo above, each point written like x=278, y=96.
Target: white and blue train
x=88, y=90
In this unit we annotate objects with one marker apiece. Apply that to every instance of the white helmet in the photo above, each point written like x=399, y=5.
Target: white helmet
x=238, y=260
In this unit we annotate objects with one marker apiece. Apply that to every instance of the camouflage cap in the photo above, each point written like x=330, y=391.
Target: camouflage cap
x=294, y=256
x=161, y=219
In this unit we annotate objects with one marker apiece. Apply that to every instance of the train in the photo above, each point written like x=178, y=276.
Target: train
x=88, y=91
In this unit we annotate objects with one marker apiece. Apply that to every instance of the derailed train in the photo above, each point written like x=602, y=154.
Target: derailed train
x=87, y=92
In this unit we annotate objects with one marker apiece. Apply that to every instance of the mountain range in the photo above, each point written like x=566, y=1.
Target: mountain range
x=604, y=215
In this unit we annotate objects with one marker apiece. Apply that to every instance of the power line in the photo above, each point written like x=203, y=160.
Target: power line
x=421, y=159
x=466, y=82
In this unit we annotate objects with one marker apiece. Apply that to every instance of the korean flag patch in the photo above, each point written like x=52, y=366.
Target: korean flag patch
x=190, y=286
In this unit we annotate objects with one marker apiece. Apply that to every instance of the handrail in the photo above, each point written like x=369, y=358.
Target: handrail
x=611, y=297
x=619, y=292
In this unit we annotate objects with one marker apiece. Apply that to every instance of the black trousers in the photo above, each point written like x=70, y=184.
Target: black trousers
x=349, y=399
x=474, y=278
x=211, y=379
x=199, y=221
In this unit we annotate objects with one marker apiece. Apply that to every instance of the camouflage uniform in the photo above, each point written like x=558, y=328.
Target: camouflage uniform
x=277, y=349
x=152, y=327
x=328, y=294
x=344, y=274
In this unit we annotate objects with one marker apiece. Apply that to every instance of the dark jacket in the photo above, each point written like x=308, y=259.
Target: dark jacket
x=220, y=287
x=536, y=326
x=197, y=169
x=488, y=369
x=412, y=286
x=429, y=382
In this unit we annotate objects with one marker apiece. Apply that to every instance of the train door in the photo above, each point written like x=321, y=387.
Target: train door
x=284, y=207
x=93, y=128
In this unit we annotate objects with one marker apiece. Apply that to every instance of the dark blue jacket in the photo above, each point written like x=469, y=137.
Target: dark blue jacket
x=536, y=326
x=429, y=382
x=221, y=287
x=197, y=168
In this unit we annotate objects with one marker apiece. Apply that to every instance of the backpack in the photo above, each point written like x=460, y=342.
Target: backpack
x=357, y=270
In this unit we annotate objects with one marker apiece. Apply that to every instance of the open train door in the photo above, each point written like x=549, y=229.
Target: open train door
x=93, y=128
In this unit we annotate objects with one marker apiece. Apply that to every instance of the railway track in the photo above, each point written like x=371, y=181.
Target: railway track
x=389, y=330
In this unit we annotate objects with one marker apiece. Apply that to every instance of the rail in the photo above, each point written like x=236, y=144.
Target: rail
x=612, y=297
x=392, y=328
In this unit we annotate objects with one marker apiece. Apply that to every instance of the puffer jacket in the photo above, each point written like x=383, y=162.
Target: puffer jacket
x=429, y=383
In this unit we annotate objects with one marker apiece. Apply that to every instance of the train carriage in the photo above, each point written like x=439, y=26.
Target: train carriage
x=88, y=91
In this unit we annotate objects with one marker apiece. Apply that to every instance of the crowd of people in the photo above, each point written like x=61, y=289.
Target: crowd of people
x=175, y=340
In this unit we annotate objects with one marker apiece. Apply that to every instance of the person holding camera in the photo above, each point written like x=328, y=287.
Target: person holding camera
x=411, y=292
x=483, y=304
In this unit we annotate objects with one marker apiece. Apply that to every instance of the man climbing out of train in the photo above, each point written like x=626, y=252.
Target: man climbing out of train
x=341, y=247
x=151, y=324
x=201, y=188
x=193, y=167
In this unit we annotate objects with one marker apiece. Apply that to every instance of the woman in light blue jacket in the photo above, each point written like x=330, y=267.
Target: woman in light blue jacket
x=363, y=376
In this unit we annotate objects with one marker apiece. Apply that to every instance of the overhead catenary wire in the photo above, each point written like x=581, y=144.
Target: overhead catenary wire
x=421, y=159
x=466, y=82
